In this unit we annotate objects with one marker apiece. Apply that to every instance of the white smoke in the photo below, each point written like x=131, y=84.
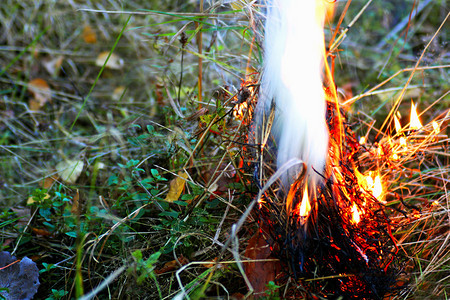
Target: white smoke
x=293, y=61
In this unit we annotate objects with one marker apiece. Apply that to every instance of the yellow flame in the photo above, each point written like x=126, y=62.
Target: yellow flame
x=372, y=183
x=362, y=140
x=380, y=151
x=377, y=189
x=355, y=214
x=414, y=122
x=436, y=128
x=402, y=141
x=305, y=207
x=398, y=127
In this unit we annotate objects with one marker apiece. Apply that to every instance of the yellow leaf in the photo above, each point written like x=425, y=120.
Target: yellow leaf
x=70, y=170
x=239, y=4
x=89, y=35
x=41, y=92
x=114, y=61
x=30, y=200
x=176, y=187
x=118, y=92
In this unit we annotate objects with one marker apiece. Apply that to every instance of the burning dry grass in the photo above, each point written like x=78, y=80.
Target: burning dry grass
x=412, y=163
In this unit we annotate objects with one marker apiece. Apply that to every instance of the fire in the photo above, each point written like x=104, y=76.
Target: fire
x=239, y=110
x=398, y=127
x=305, y=206
x=436, y=128
x=414, y=122
x=371, y=183
x=402, y=141
x=377, y=188
x=243, y=100
x=355, y=214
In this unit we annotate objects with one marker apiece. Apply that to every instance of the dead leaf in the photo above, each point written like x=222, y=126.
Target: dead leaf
x=48, y=182
x=76, y=204
x=260, y=273
x=118, y=92
x=53, y=66
x=172, y=265
x=89, y=35
x=176, y=187
x=41, y=93
x=70, y=170
x=114, y=61
x=42, y=232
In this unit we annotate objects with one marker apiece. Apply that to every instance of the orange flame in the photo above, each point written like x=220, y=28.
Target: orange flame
x=414, y=121
x=305, y=206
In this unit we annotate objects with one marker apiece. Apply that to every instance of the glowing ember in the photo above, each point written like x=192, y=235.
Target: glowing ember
x=414, y=122
x=362, y=140
x=355, y=214
x=305, y=207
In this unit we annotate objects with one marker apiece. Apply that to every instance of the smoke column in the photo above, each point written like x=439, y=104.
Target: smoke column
x=293, y=61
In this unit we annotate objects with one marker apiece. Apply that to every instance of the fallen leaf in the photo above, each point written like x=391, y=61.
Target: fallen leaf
x=259, y=273
x=43, y=232
x=70, y=170
x=172, y=265
x=76, y=204
x=176, y=187
x=53, y=66
x=41, y=93
x=89, y=35
x=114, y=61
x=118, y=92
x=48, y=182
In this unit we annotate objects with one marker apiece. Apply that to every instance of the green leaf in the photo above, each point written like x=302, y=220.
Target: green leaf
x=72, y=234
x=173, y=214
x=154, y=257
x=137, y=254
